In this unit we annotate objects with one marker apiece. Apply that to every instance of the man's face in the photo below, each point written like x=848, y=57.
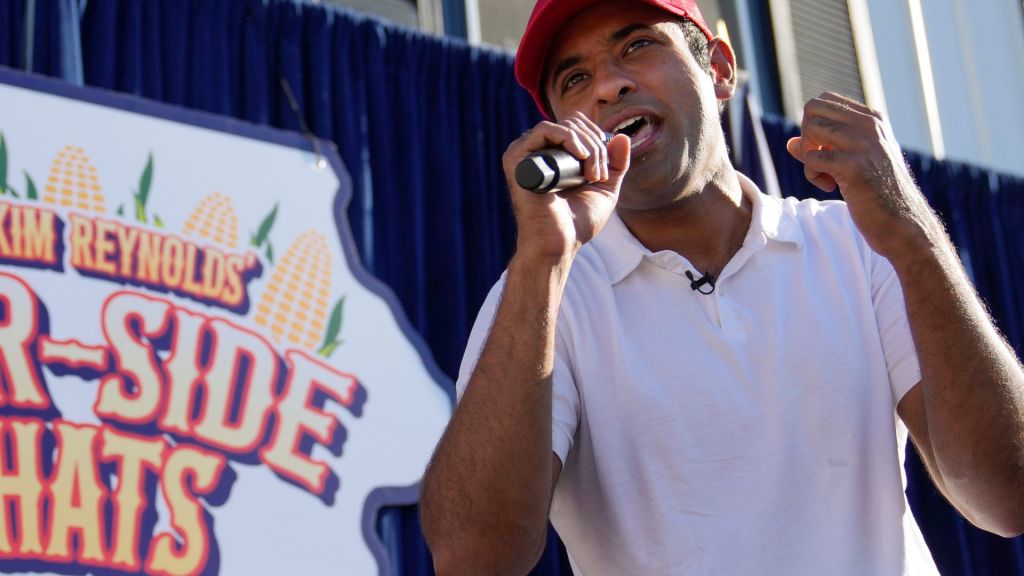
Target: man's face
x=628, y=67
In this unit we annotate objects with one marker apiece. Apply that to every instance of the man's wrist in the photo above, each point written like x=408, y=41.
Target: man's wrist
x=539, y=266
x=539, y=257
x=928, y=245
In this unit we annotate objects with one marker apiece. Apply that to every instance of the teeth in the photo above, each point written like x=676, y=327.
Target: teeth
x=622, y=125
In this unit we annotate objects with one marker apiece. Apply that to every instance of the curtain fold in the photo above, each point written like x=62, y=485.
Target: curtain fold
x=421, y=124
x=54, y=34
x=12, y=33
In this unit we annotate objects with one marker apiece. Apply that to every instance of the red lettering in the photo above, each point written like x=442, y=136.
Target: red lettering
x=105, y=247
x=234, y=292
x=21, y=483
x=189, y=284
x=203, y=470
x=40, y=235
x=14, y=230
x=18, y=329
x=232, y=344
x=71, y=353
x=296, y=415
x=150, y=248
x=81, y=243
x=172, y=266
x=132, y=357
x=136, y=456
x=127, y=239
x=183, y=372
x=5, y=245
x=213, y=275
x=77, y=497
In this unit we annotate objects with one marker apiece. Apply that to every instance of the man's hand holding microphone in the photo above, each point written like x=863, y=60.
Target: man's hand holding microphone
x=554, y=225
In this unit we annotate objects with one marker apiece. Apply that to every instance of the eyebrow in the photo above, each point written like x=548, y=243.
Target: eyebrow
x=564, y=65
x=571, y=61
x=625, y=31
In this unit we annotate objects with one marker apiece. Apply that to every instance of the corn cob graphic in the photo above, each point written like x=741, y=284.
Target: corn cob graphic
x=294, y=304
x=214, y=219
x=73, y=182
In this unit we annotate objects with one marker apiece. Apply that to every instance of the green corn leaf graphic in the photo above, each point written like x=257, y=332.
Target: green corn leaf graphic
x=158, y=222
x=329, y=349
x=265, y=226
x=30, y=188
x=334, y=325
x=144, y=183
x=3, y=164
x=140, y=210
x=270, y=253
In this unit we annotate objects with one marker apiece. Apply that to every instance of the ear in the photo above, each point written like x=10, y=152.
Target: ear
x=723, y=68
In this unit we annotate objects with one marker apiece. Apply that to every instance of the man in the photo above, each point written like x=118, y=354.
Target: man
x=755, y=429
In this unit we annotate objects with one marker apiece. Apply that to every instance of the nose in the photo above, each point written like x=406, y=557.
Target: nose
x=612, y=82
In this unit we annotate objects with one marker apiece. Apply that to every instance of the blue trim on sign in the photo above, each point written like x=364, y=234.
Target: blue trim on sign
x=380, y=497
x=376, y=501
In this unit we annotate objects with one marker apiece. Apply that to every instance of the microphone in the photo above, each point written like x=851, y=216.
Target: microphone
x=705, y=280
x=551, y=170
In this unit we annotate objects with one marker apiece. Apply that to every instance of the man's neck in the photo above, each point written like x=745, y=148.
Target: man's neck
x=706, y=226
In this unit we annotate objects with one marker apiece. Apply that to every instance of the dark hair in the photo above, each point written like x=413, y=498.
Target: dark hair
x=695, y=39
x=698, y=43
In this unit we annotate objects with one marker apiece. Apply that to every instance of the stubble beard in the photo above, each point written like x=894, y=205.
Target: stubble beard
x=651, y=187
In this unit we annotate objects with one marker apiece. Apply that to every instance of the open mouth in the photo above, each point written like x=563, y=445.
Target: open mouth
x=632, y=126
x=638, y=128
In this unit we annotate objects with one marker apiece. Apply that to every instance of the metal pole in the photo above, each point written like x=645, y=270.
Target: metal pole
x=924, y=61
x=472, y=8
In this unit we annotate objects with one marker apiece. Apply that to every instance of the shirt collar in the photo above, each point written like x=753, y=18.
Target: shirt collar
x=769, y=219
x=622, y=252
x=619, y=249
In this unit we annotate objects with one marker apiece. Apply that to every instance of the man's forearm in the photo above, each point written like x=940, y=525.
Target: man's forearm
x=486, y=494
x=973, y=388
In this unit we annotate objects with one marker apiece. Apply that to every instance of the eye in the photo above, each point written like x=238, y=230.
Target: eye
x=572, y=79
x=637, y=44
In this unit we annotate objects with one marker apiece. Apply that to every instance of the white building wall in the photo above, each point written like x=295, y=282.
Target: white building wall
x=978, y=57
x=898, y=65
x=955, y=80
x=976, y=49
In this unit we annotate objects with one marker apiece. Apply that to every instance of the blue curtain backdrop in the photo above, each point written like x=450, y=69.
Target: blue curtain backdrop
x=421, y=124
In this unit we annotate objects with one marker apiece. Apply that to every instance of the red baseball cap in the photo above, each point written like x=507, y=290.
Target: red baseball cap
x=550, y=15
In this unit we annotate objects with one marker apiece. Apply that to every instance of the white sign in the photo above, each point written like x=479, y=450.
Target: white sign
x=196, y=375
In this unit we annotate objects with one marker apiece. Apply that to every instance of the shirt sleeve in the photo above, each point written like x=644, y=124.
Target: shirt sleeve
x=894, y=329
x=565, y=406
x=565, y=399
x=478, y=336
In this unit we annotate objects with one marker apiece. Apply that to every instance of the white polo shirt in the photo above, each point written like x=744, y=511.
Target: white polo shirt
x=749, y=431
